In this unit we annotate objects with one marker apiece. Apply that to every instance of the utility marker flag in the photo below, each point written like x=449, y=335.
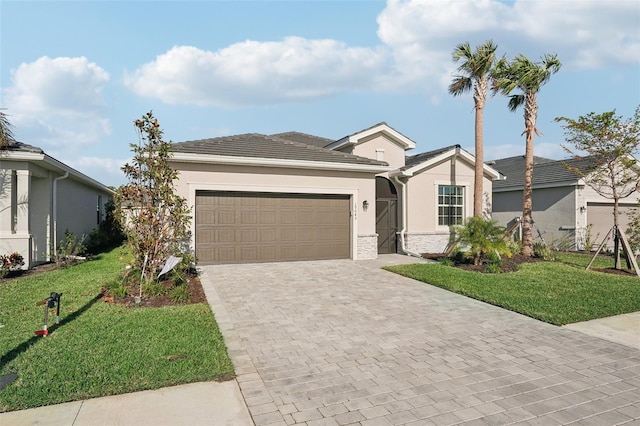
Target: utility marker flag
x=171, y=263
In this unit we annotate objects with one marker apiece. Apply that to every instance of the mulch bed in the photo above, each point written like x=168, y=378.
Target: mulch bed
x=512, y=264
x=196, y=295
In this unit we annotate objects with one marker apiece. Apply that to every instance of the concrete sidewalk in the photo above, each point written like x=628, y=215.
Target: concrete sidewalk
x=623, y=329
x=205, y=403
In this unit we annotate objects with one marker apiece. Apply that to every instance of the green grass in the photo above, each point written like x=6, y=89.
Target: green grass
x=559, y=292
x=100, y=349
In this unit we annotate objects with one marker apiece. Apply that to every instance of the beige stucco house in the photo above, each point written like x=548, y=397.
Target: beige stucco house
x=40, y=199
x=293, y=196
x=567, y=213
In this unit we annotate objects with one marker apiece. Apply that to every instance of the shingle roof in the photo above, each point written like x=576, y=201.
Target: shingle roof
x=304, y=138
x=412, y=160
x=254, y=145
x=545, y=171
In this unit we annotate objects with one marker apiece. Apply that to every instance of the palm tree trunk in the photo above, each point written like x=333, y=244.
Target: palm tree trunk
x=530, y=115
x=479, y=97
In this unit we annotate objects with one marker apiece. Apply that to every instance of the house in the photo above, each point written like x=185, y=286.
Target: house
x=40, y=199
x=567, y=213
x=294, y=196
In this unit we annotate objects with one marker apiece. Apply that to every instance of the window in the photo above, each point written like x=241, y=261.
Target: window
x=450, y=205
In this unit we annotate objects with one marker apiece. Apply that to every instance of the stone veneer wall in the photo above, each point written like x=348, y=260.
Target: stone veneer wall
x=427, y=243
x=367, y=247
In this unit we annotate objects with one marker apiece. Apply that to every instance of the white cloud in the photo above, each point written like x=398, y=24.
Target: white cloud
x=585, y=34
x=105, y=170
x=59, y=100
x=255, y=72
x=417, y=38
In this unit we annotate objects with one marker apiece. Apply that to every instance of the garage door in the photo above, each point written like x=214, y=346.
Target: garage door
x=243, y=227
x=600, y=217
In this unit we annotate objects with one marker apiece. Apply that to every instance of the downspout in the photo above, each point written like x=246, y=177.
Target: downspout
x=54, y=213
x=403, y=244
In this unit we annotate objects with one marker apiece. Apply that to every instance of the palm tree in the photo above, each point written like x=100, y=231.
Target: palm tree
x=475, y=73
x=527, y=76
x=6, y=132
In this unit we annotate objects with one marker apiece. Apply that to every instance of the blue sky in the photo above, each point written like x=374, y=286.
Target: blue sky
x=76, y=74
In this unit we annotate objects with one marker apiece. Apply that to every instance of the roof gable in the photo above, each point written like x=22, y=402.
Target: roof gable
x=369, y=133
x=426, y=160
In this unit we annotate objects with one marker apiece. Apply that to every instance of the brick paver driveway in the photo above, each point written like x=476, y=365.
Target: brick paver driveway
x=344, y=342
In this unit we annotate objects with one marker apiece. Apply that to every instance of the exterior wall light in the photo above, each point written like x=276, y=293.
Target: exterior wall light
x=365, y=205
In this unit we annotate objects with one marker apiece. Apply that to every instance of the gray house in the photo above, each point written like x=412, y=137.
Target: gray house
x=41, y=198
x=567, y=213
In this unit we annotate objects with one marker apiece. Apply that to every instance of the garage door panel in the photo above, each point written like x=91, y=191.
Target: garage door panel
x=600, y=217
x=222, y=217
x=249, y=217
x=233, y=227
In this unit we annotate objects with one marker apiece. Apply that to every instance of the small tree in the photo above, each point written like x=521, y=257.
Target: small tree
x=612, y=142
x=155, y=220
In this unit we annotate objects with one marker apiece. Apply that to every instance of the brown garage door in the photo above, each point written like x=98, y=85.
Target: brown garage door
x=243, y=227
x=600, y=217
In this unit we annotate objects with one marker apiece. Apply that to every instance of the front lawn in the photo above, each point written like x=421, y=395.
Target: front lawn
x=100, y=348
x=559, y=292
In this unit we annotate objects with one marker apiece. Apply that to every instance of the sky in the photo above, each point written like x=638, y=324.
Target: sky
x=75, y=75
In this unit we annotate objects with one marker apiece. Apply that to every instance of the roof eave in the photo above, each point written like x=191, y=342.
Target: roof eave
x=183, y=157
x=55, y=165
x=539, y=186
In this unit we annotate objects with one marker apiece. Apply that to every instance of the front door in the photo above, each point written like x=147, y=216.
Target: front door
x=386, y=216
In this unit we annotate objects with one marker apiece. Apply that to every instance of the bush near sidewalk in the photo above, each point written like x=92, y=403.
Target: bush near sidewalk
x=100, y=348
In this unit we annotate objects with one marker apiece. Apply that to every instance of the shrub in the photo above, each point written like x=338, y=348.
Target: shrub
x=180, y=293
x=492, y=268
x=483, y=236
x=447, y=261
x=10, y=263
x=109, y=233
x=153, y=288
x=69, y=250
x=117, y=288
x=542, y=251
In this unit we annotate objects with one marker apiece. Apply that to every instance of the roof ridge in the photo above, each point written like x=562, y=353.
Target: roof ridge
x=324, y=150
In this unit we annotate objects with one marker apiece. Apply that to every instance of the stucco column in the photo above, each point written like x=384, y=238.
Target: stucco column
x=6, y=196
x=23, y=190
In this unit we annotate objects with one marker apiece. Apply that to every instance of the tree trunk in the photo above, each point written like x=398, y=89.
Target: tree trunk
x=530, y=115
x=616, y=241
x=479, y=98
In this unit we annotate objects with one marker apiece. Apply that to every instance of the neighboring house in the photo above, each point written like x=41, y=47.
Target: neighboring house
x=40, y=199
x=293, y=196
x=567, y=213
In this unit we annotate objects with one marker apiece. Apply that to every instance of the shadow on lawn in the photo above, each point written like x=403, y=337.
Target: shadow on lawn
x=13, y=353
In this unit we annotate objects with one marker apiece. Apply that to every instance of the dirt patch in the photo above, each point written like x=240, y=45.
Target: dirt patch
x=614, y=271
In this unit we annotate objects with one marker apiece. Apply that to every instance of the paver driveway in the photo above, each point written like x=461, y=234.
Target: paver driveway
x=344, y=342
